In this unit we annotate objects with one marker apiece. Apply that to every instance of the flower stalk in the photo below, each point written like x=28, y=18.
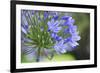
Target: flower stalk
x=38, y=55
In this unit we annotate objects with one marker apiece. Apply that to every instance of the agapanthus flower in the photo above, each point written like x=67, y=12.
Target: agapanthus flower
x=68, y=20
x=70, y=41
x=24, y=23
x=56, y=37
x=45, y=33
x=54, y=26
x=45, y=15
x=60, y=47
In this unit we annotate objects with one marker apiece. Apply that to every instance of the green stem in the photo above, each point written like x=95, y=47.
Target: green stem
x=38, y=55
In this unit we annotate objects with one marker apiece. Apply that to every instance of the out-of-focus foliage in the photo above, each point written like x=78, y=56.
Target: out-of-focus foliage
x=59, y=58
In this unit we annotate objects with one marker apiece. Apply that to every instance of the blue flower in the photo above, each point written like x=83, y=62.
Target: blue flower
x=56, y=37
x=68, y=20
x=46, y=15
x=60, y=47
x=24, y=29
x=26, y=16
x=72, y=29
x=32, y=12
x=70, y=42
x=24, y=23
x=65, y=17
x=54, y=26
x=56, y=17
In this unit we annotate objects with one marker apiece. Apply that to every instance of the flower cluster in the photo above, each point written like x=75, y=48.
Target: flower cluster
x=45, y=33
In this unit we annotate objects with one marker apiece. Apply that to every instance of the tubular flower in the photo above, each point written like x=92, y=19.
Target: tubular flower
x=54, y=26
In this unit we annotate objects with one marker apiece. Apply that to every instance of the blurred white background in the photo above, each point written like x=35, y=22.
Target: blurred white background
x=5, y=36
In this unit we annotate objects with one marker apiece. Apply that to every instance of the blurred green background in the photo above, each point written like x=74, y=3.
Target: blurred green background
x=82, y=52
